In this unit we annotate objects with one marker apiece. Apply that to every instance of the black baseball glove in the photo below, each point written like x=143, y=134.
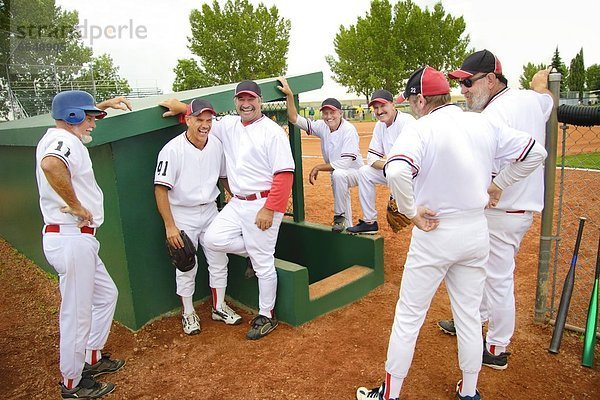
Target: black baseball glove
x=184, y=258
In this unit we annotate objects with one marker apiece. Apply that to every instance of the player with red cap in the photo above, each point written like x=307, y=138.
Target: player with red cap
x=439, y=173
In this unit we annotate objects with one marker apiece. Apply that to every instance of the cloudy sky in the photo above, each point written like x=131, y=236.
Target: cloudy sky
x=517, y=31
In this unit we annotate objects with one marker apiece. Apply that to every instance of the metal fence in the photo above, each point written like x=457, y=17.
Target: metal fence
x=577, y=195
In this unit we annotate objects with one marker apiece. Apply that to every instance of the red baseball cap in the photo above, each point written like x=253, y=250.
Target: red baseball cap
x=426, y=81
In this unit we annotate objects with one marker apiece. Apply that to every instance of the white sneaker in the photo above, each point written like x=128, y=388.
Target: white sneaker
x=191, y=324
x=227, y=315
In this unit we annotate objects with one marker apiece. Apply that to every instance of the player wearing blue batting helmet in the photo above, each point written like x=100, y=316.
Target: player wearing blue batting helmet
x=73, y=105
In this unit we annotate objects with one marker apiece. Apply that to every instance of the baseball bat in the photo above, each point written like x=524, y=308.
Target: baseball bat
x=589, y=339
x=565, y=298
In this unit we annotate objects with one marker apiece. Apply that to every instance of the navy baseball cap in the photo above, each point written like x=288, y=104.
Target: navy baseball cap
x=480, y=61
x=331, y=103
x=426, y=81
x=381, y=96
x=248, y=87
x=198, y=106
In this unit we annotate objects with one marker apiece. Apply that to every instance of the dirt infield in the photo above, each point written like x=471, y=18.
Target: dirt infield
x=327, y=358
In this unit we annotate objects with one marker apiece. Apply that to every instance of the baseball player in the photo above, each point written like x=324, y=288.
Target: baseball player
x=389, y=125
x=260, y=172
x=439, y=172
x=485, y=90
x=185, y=185
x=72, y=208
x=340, y=149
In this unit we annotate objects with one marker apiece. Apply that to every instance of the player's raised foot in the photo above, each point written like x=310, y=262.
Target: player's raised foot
x=249, y=273
x=261, y=326
x=106, y=365
x=496, y=362
x=362, y=393
x=477, y=396
x=364, y=228
x=339, y=223
x=191, y=324
x=87, y=388
x=447, y=326
x=227, y=315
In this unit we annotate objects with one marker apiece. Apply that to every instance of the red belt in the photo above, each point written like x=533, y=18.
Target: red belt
x=254, y=196
x=56, y=229
x=516, y=212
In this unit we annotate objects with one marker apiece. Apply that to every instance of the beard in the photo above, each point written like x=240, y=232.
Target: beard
x=85, y=139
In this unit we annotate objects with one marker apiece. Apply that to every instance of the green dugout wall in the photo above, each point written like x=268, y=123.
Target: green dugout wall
x=318, y=270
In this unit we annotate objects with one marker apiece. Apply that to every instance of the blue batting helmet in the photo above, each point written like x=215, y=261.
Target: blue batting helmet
x=72, y=106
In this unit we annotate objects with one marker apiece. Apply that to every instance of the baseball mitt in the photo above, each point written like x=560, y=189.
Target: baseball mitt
x=396, y=220
x=184, y=258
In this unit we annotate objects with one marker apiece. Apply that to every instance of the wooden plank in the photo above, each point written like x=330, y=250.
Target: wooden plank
x=337, y=280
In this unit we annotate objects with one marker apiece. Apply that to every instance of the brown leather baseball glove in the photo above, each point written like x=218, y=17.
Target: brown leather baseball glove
x=184, y=258
x=396, y=220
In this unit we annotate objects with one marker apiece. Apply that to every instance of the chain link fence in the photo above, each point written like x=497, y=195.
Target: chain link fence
x=577, y=195
x=27, y=90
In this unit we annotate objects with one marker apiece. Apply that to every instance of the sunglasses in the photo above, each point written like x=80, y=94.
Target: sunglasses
x=469, y=81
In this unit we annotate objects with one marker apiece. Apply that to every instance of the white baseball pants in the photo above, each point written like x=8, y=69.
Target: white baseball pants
x=195, y=221
x=498, y=305
x=88, y=296
x=234, y=231
x=442, y=254
x=368, y=177
x=341, y=182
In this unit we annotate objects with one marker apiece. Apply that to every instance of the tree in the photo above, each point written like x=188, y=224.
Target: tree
x=101, y=78
x=41, y=53
x=386, y=45
x=562, y=68
x=593, y=77
x=528, y=71
x=234, y=43
x=576, y=79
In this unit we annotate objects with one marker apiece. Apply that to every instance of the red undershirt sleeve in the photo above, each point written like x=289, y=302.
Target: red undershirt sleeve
x=280, y=192
x=188, y=111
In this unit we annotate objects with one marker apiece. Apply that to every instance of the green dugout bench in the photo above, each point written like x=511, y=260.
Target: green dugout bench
x=318, y=270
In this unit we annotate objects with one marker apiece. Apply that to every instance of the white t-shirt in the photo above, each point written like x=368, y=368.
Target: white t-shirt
x=451, y=154
x=254, y=153
x=385, y=136
x=339, y=148
x=68, y=148
x=526, y=111
x=191, y=174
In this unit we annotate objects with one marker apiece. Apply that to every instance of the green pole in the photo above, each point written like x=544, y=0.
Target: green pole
x=297, y=188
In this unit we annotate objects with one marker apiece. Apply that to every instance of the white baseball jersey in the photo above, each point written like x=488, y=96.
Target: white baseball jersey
x=340, y=148
x=527, y=111
x=191, y=174
x=68, y=148
x=254, y=153
x=385, y=136
x=435, y=139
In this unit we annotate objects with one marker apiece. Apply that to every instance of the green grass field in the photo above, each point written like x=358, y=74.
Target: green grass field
x=587, y=160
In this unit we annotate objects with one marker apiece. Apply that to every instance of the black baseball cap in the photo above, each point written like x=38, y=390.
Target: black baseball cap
x=249, y=87
x=198, y=106
x=381, y=96
x=331, y=103
x=480, y=61
x=426, y=81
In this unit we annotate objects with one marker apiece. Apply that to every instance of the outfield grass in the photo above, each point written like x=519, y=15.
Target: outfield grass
x=587, y=160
